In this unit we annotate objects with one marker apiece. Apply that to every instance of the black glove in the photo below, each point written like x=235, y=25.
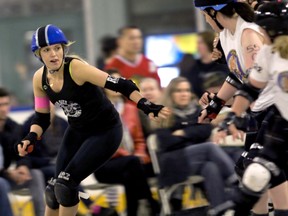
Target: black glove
x=149, y=107
x=209, y=96
x=231, y=118
x=214, y=107
x=32, y=137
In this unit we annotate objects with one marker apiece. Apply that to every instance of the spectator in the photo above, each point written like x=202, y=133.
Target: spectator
x=4, y=199
x=186, y=64
x=126, y=166
x=149, y=88
x=182, y=135
x=204, y=64
x=129, y=59
x=213, y=81
x=108, y=50
x=21, y=176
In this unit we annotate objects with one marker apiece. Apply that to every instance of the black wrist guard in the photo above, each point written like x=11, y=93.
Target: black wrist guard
x=42, y=120
x=32, y=137
x=231, y=118
x=214, y=107
x=148, y=107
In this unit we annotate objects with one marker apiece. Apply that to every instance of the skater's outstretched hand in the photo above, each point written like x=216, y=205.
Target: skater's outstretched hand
x=154, y=111
x=231, y=125
x=164, y=113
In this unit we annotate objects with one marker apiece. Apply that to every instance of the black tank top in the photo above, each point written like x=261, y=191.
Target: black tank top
x=86, y=106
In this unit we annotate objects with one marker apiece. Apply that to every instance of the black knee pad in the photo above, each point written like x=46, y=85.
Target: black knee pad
x=258, y=175
x=50, y=197
x=66, y=191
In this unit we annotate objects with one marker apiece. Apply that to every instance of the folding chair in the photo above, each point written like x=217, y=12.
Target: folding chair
x=166, y=190
x=90, y=183
x=101, y=187
x=20, y=204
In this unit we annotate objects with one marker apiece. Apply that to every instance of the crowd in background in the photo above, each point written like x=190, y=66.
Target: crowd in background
x=131, y=166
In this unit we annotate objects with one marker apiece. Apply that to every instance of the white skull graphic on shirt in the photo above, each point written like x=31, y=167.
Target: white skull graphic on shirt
x=70, y=108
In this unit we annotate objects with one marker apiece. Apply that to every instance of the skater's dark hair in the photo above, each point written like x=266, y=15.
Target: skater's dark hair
x=243, y=9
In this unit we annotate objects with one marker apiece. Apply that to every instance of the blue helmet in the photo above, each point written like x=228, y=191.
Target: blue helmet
x=46, y=36
x=215, y=4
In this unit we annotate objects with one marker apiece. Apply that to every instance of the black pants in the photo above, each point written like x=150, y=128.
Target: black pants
x=275, y=147
x=266, y=120
x=127, y=171
x=263, y=120
x=276, y=142
x=81, y=154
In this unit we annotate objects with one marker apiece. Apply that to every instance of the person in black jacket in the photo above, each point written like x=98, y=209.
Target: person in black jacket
x=182, y=136
x=21, y=176
x=204, y=65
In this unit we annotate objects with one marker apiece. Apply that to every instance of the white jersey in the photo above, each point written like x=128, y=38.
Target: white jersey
x=272, y=69
x=233, y=50
x=231, y=45
x=265, y=99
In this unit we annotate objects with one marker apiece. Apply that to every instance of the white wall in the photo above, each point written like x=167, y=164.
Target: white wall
x=21, y=116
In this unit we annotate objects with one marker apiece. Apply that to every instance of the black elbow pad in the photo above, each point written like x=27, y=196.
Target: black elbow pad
x=248, y=91
x=42, y=120
x=125, y=87
x=233, y=80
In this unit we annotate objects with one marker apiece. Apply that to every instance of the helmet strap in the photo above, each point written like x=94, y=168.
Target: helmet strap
x=64, y=52
x=213, y=16
x=54, y=71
